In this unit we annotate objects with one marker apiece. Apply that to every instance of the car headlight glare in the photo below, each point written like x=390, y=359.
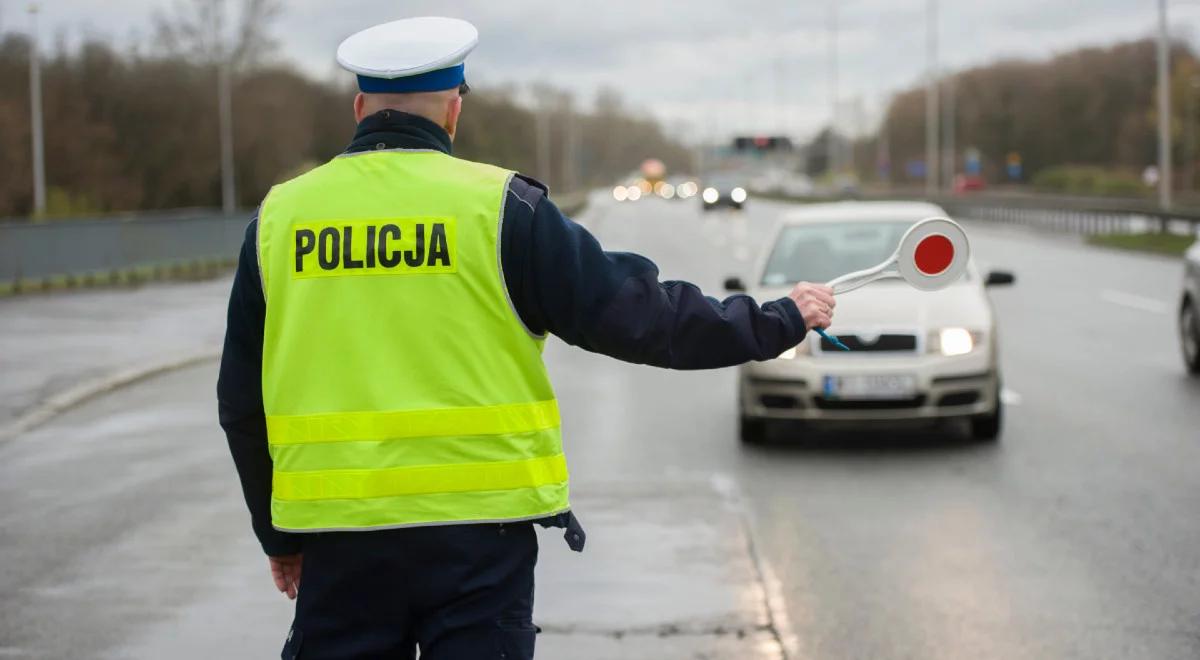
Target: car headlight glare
x=955, y=341
x=711, y=195
x=738, y=195
x=634, y=193
x=620, y=193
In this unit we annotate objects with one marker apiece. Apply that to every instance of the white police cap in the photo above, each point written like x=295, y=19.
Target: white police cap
x=411, y=55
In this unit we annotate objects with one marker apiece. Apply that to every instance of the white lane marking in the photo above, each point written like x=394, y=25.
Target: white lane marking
x=1010, y=397
x=1134, y=301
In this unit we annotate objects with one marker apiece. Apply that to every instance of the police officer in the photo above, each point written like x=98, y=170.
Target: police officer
x=382, y=386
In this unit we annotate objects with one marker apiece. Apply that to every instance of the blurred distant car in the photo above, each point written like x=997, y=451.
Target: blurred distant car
x=915, y=355
x=723, y=191
x=968, y=183
x=1189, y=311
x=634, y=190
x=686, y=189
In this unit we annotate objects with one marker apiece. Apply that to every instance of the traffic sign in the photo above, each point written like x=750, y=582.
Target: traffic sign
x=1013, y=165
x=932, y=255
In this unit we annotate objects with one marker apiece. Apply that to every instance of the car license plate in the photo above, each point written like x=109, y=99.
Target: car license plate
x=871, y=386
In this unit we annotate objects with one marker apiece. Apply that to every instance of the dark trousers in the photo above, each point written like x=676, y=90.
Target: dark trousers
x=455, y=591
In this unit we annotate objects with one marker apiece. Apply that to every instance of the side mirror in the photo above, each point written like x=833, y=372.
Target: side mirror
x=734, y=283
x=999, y=278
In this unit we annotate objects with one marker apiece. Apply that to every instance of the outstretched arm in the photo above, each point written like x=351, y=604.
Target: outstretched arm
x=563, y=282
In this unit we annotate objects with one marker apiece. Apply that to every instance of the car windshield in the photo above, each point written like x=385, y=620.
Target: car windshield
x=822, y=251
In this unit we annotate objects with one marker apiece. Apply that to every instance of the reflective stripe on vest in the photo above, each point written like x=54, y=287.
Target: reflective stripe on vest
x=414, y=396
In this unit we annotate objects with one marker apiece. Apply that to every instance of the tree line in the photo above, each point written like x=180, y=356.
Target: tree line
x=1092, y=111
x=137, y=129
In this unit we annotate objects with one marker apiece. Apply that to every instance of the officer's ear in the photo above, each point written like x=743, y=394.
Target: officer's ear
x=452, y=114
x=360, y=105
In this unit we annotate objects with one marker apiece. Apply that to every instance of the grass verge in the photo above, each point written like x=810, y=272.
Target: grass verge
x=1170, y=244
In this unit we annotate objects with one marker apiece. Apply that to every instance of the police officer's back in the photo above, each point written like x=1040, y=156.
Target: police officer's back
x=382, y=386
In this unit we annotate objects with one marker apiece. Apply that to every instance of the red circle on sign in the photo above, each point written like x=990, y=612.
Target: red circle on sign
x=934, y=254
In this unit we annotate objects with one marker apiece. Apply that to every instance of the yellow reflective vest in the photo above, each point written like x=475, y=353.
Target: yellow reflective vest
x=399, y=385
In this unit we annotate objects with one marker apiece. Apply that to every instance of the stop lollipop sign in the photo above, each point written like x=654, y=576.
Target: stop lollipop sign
x=932, y=255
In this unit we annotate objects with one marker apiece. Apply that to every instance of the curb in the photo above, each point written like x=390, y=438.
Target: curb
x=68, y=399
x=183, y=270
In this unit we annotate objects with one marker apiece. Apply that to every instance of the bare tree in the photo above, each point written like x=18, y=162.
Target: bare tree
x=197, y=28
x=201, y=31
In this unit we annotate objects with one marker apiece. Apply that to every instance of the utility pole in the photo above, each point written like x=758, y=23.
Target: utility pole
x=543, y=141
x=35, y=109
x=570, y=157
x=834, y=155
x=225, y=112
x=1189, y=124
x=1164, y=108
x=948, y=121
x=931, y=100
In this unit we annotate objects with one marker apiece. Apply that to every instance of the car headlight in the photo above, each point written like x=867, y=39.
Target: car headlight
x=667, y=191
x=620, y=193
x=634, y=193
x=955, y=341
x=738, y=195
x=711, y=195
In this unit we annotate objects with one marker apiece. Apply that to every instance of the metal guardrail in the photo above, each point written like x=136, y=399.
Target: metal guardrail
x=1088, y=217
x=1076, y=215
x=117, y=250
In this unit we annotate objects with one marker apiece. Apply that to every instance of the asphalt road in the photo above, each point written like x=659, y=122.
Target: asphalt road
x=1076, y=536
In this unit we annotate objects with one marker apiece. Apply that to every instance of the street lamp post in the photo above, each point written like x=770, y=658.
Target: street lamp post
x=1164, y=108
x=35, y=109
x=225, y=117
x=931, y=101
x=834, y=154
x=1189, y=125
x=949, y=160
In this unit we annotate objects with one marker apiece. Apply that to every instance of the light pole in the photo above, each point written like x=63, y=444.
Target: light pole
x=833, y=155
x=225, y=117
x=543, y=141
x=1164, y=108
x=35, y=109
x=949, y=160
x=931, y=101
x=1189, y=124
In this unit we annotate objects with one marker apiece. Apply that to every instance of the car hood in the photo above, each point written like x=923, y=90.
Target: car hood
x=893, y=305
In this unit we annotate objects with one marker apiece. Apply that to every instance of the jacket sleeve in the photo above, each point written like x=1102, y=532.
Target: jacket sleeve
x=240, y=400
x=561, y=281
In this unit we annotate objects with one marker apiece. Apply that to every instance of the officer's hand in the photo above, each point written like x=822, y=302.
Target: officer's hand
x=815, y=302
x=285, y=571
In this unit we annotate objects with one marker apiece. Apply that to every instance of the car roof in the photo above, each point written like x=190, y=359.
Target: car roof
x=861, y=212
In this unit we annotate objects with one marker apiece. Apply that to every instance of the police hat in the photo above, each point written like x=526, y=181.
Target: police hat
x=410, y=55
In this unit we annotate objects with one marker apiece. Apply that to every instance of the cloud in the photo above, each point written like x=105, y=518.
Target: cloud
x=715, y=65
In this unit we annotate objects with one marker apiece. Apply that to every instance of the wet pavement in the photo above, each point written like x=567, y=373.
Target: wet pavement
x=1074, y=537
x=78, y=340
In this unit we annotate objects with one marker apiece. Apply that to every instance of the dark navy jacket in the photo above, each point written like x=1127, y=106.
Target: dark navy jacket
x=560, y=281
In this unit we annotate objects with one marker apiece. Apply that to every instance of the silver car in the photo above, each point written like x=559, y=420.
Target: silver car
x=1189, y=311
x=916, y=356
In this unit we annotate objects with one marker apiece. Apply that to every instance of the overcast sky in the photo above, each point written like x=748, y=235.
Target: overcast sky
x=709, y=67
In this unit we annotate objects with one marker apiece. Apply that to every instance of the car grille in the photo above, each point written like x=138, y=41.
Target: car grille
x=958, y=399
x=886, y=343
x=869, y=404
